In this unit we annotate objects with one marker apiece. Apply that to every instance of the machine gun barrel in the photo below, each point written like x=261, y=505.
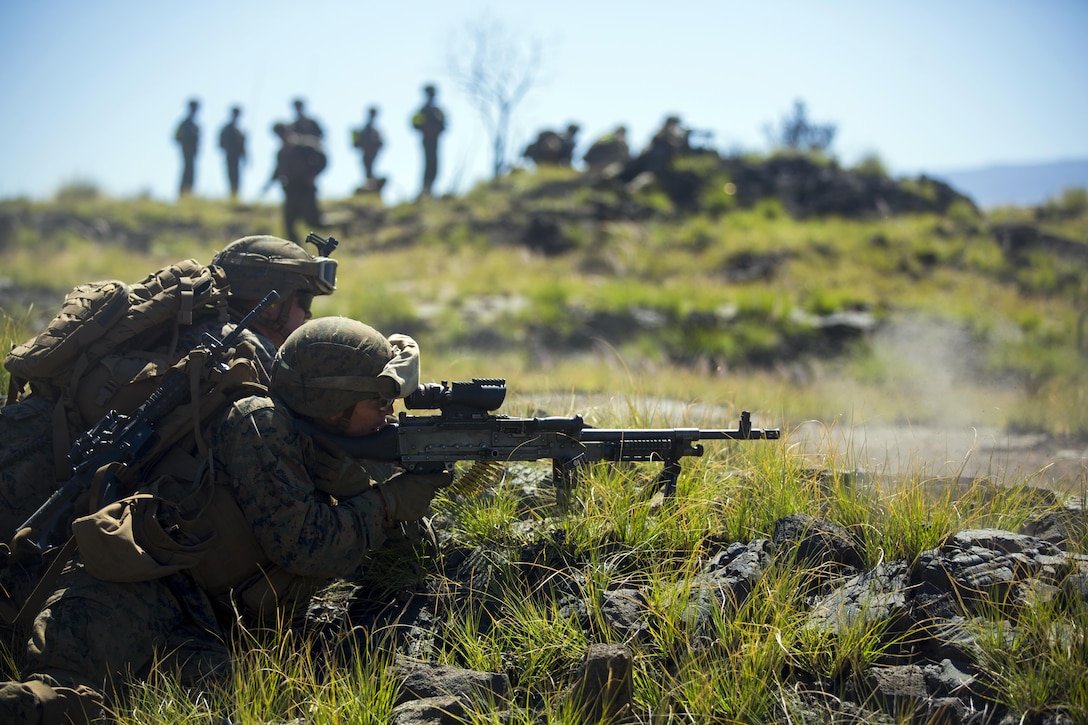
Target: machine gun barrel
x=465, y=430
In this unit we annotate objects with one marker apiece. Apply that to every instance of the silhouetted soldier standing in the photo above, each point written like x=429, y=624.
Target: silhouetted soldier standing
x=233, y=143
x=368, y=140
x=430, y=121
x=298, y=162
x=187, y=136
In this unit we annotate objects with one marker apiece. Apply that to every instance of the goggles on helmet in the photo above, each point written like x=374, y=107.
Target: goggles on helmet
x=322, y=270
x=326, y=274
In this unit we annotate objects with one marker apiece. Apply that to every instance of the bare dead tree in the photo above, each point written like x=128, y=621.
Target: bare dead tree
x=798, y=133
x=496, y=70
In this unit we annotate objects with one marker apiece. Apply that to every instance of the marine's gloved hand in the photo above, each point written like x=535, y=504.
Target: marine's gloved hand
x=407, y=496
x=336, y=474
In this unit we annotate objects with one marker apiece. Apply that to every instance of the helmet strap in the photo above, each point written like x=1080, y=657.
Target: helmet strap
x=278, y=324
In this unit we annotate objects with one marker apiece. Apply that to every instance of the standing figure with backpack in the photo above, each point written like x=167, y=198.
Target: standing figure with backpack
x=279, y=530
x=368, y=139
x=430, y=122
x=187, y=137
x=298, y=162
x=112, y=344
x=233, y=142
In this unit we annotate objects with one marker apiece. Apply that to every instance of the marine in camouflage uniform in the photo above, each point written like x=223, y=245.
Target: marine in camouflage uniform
x=284, y=526
x=257, y=264
x=253, y=265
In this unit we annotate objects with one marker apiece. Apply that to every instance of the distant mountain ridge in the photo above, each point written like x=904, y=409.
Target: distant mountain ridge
x=1016, y=184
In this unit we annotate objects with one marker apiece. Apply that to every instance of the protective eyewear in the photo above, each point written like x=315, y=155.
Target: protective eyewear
x=324, y=273
x=305, y=300
x=381, y=403
x=322, y=270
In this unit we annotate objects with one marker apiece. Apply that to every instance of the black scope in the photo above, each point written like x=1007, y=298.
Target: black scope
x=484, y=394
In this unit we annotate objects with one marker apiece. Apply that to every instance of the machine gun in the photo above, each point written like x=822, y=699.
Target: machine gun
x=102, y=457
x=466, y=430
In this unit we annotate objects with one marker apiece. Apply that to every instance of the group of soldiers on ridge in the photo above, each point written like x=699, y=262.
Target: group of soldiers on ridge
x=302, y=155
x=610, y=155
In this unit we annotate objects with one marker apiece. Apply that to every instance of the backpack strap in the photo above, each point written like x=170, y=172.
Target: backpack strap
x=63, y=422
x=185, y=306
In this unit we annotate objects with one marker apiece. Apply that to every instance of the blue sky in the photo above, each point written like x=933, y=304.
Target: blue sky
x=93, y=90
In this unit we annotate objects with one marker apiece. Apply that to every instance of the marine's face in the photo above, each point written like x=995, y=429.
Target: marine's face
x=300, y=310
x=368, y=416
x=297, y=313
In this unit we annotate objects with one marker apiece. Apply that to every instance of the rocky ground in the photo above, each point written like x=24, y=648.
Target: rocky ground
x=934, y=609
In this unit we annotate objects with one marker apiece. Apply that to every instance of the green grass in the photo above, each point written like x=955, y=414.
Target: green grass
x=509, y=620
x=964, y=331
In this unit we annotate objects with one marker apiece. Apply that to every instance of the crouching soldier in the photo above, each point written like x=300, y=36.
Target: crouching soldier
x=283, y=518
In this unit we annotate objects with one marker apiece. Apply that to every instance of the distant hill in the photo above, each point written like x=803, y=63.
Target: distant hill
x=1019, y=185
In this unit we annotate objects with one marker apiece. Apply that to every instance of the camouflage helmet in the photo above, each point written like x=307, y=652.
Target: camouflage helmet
x=330, y=364
x=254, y=265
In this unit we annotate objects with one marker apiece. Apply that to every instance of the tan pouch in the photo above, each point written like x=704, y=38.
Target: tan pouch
x=139, y=538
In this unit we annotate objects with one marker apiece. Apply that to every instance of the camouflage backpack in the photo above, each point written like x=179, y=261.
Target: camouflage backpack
x=136, y=505
x=111, y=344
x=304, y=157
x=87, y=355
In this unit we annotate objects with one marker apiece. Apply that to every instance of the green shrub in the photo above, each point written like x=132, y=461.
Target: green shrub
x=80, y=190
x=872, y=165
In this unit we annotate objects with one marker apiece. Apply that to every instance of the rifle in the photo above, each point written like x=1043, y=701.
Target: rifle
x=101, y=456
x=466, y=430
